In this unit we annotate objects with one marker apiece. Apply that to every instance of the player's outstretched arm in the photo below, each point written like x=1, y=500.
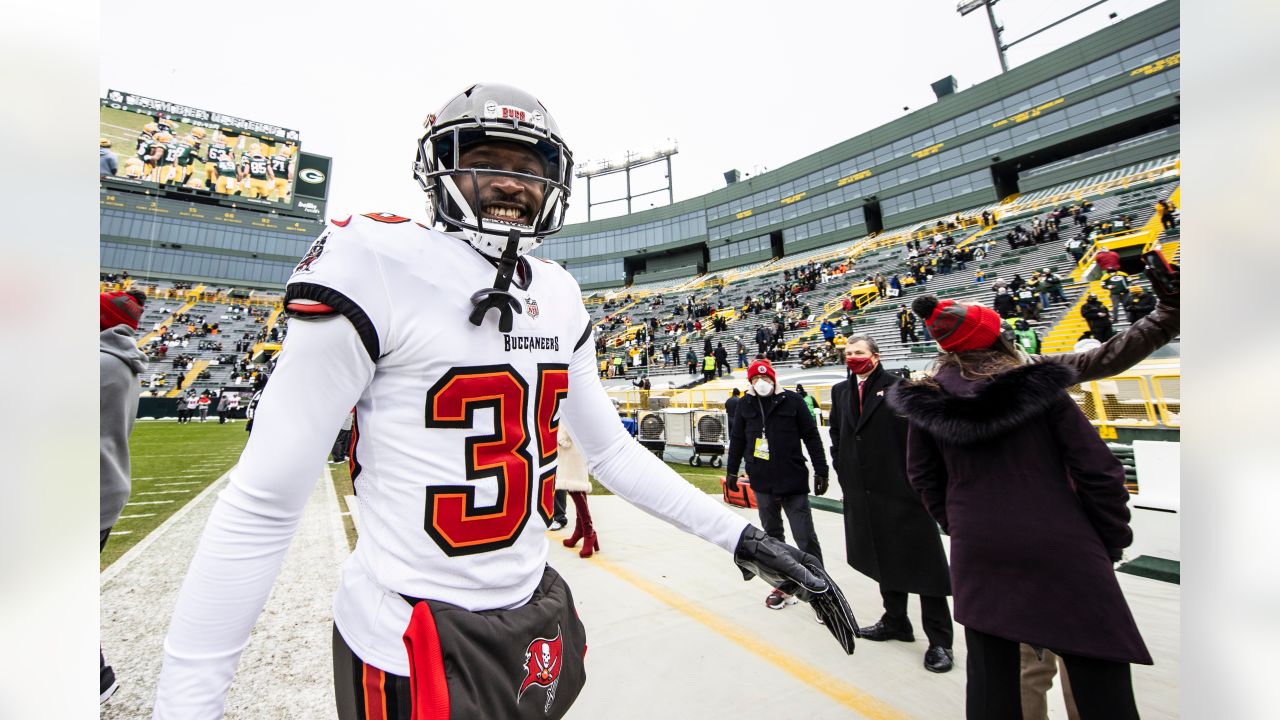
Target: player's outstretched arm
x=321, y=373
x=635, y=474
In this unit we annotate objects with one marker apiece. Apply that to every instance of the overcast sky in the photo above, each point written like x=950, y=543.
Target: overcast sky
x=746, y=85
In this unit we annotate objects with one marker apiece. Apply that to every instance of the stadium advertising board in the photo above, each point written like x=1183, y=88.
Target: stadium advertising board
x=159, y=143
x=313, y=184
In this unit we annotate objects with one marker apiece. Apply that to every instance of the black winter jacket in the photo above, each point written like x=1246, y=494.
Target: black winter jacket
x=786, y=421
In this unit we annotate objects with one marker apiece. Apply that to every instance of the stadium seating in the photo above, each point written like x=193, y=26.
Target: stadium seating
x=1131, y=191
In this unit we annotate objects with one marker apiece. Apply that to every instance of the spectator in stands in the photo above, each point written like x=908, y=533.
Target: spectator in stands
x=762, y=339
x=828, y=331
x=1117, y=284
x=1139, y=304
x=1108, y=260
x=906, y=325
x=722, y=361
x=741, y=350
x=1076, y=249
x=1004, y=304
x=979, y=276
x=107, y=163
x=1011, y=469
x=1095, y=314
x=1166, y=209
x=691, y=360
x=708, y=367
x=889, y=536
x=1052, y=286
x=767, y=432
x=119, y=364
x=1028, y=303
x=1026, y=337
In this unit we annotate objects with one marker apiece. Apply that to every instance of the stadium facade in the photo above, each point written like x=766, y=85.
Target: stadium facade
x=1108, y=100
x=1105, y=101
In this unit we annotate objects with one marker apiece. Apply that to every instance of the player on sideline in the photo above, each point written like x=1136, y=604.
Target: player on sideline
x=447, y=607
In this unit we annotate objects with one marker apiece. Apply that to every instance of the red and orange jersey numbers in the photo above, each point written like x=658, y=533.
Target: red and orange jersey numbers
x=453, y=519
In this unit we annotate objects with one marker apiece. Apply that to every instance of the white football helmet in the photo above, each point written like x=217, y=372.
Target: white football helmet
x=492, y=113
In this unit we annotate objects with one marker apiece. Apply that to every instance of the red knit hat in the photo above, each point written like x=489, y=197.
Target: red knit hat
x=118, y=308
x=761, y=367
x=958, y=327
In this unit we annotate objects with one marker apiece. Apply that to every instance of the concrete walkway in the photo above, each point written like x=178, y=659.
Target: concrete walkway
x=672, y=630
x=287, y=669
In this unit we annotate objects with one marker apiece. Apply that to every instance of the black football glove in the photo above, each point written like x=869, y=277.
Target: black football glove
x=731, y=480
x=820, y=484
x=800, y=574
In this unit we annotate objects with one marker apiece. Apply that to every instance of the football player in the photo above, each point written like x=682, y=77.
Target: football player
x=149, y=150
x=282, y=172
x=256, y=178
x=218, y=147
x=447, y=607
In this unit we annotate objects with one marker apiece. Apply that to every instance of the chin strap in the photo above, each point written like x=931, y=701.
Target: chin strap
x=497, y=296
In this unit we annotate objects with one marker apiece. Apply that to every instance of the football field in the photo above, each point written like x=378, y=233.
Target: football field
x=171, y=464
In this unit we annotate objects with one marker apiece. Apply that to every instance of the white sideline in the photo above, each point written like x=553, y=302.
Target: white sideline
x=123, y=561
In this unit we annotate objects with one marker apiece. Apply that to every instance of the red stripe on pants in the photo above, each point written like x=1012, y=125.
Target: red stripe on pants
x=375, y=693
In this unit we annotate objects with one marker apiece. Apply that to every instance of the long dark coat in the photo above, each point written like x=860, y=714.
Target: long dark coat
x=889, y=535
x=1034, y=502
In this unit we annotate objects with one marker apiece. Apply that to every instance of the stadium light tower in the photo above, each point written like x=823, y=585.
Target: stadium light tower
x=629, y=161
x=997, y=30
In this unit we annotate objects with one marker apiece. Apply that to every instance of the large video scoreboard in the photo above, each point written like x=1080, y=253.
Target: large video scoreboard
x=204, y=195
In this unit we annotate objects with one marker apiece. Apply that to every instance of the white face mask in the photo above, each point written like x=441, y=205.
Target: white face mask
x=762, y=386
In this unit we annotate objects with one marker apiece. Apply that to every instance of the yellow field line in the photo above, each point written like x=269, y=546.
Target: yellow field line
x=833, y=687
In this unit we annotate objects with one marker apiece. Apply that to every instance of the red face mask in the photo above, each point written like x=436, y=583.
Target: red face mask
x=860, y=365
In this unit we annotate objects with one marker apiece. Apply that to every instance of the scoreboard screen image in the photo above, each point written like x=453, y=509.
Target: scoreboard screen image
x=158, y=144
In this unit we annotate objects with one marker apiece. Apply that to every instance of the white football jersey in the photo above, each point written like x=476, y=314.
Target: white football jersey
x=455, y=437
x=455, y=449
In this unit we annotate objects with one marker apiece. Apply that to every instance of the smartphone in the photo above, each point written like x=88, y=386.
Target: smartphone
x=1164, y=279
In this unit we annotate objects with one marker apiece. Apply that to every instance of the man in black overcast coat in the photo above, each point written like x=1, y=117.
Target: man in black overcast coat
x=889, y=535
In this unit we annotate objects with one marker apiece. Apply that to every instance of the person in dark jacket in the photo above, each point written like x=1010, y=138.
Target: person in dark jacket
x=1036, y=508
x=906, y=326
x=1098, y=318
x=722, y=361
x=731, y=407
x=768, y=429
x=1139, y=304
x=889, y=536
x=119, y=363
x=1003, y=304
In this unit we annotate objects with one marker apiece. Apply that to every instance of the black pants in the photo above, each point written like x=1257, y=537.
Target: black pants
x=905, y=332
x=1103, y=689
x=934, y=612
x=799, y=516
x=363, y=691
x=559, y=506
x=340, y=446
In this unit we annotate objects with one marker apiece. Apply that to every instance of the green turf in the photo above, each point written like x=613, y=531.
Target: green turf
x=163, y=453
x=704, y=478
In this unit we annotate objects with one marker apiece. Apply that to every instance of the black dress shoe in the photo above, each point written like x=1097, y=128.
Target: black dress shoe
x=881, y=632
x=938, y=659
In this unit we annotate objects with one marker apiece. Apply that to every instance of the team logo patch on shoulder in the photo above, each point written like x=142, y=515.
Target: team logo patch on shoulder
x=313, y=253
x=531, y=306
x=542, y=665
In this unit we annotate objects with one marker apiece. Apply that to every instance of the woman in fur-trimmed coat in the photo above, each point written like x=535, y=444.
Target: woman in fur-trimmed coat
x=1036, y=509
